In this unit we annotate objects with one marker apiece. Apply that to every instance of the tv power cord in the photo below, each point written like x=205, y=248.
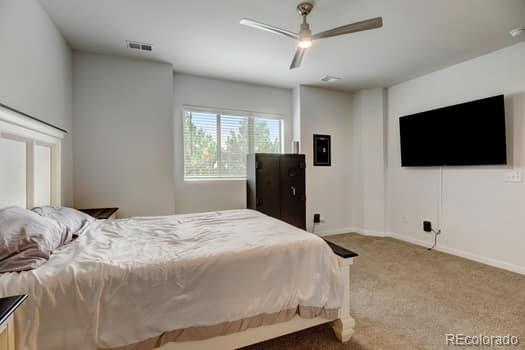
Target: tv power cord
x=436, y=234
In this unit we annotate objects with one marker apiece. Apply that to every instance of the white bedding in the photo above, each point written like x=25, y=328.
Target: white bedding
x=124, y=281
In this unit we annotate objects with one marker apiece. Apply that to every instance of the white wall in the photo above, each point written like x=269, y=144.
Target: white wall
x=35, y=73
x=123, y=129
x=482, y=216
x=328, y=189
x=296, y=115
x=197, y=196
x=368, y=151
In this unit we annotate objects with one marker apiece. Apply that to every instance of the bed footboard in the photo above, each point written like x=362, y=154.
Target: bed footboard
x=344, y=326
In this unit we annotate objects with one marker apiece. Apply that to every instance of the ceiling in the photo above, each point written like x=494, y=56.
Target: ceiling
x=204, y=37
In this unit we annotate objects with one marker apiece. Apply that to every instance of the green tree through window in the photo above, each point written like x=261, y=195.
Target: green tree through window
x=216, y=145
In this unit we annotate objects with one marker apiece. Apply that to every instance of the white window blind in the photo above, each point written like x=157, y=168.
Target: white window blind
x=216, y=144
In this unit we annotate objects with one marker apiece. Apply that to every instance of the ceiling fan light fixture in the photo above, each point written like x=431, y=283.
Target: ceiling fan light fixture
x=305, y=43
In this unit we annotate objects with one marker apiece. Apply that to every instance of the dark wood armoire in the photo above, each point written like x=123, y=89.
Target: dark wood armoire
x=276, y=186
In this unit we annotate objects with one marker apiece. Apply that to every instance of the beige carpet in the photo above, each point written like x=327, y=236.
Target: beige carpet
x=405, y=297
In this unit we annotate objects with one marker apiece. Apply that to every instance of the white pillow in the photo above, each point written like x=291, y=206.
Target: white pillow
x=27, y=240
x=72, y=220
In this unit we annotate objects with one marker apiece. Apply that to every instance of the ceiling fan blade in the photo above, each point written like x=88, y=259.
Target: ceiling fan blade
x=268, y=28
x=297, y=58
x=368, y=24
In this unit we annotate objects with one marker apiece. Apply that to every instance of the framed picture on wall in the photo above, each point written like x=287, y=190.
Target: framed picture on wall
x=322, y=150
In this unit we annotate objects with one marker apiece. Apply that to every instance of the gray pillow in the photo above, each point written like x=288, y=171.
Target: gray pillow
x=27, y=239
x=71, y=220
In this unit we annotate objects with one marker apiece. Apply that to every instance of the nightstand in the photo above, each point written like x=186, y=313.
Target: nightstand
x=8, y=306
x=101, y=213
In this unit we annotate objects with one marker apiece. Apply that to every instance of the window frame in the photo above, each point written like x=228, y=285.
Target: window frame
x=251, y=115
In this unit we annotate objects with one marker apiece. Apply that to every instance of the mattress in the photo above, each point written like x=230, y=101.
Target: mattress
x=138, y=282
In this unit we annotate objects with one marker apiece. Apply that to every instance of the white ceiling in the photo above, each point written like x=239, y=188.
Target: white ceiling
x=204, y=37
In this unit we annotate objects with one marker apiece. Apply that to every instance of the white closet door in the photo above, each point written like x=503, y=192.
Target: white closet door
x=42, y=175
x=13, y=170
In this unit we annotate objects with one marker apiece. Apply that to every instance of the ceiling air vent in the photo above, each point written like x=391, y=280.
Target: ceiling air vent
x=135, y=45
x=329, y=79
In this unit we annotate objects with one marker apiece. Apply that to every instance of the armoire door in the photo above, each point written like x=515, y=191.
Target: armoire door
x=293, y=191
x=268, y=191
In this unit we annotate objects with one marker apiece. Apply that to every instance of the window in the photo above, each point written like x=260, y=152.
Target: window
x=216, y=144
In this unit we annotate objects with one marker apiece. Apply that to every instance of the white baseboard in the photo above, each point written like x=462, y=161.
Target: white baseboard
x=453, y=251
x=367, y=232
x=409, y=239
x=458, y=252
x=336, y=231
x=361, y=231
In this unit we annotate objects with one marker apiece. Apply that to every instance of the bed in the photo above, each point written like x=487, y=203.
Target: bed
x=218, y=280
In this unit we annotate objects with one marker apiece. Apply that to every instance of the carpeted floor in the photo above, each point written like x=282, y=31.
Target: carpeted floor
x=405, y=297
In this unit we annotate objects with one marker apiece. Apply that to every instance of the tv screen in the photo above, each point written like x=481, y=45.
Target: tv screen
x=471, y=133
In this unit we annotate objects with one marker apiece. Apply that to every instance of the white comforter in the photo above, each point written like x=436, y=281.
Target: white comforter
x=127, y=280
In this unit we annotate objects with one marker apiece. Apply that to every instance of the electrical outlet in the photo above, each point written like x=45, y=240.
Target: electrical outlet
x=427, y=226
x=404, y=219
x=513, y=176
x=317, y=218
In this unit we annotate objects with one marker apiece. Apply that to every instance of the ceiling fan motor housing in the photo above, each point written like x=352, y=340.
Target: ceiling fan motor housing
x=304, y=9
x=305, y=31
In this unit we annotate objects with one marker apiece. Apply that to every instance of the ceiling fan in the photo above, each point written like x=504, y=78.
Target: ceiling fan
x=305, y=37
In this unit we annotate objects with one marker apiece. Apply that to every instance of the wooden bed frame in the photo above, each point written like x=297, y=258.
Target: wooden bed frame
x=30, y=154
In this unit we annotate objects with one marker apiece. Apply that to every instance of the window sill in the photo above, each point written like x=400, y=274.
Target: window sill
x=213, y=179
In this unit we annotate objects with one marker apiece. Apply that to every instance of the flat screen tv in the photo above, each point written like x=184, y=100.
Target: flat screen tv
x=471, y=133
